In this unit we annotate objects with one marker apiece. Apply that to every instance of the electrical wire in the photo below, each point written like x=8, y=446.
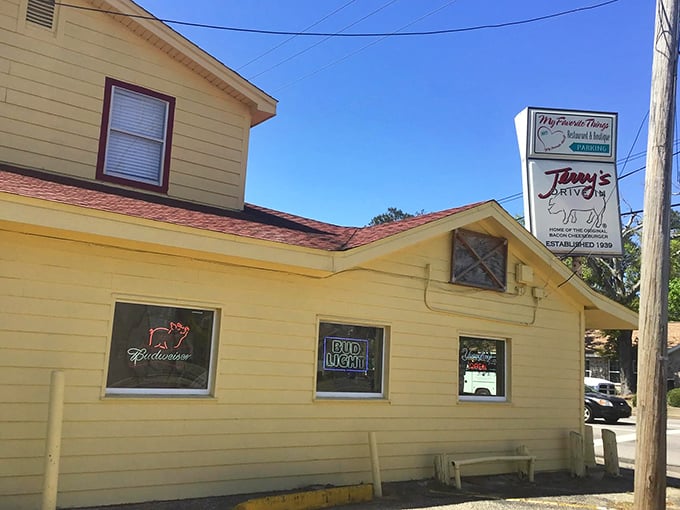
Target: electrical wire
x=637, y=135
x=517, y=196
x=335, y=62
x=384, y=6
x=286, y=41
x=360, y=34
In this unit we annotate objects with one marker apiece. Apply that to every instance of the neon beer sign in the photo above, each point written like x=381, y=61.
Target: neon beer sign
x=345, y=354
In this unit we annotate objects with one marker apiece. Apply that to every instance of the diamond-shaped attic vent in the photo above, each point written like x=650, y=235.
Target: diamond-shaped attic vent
x=40, y=12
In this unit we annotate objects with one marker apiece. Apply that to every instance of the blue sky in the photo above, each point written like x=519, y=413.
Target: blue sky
x=425, y=122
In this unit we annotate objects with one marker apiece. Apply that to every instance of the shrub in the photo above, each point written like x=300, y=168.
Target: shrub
x=673, y=397
x=633, y=400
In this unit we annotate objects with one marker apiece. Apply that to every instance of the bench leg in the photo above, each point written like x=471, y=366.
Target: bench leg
x=441, y=469
x=456, y=476
x=531, y=470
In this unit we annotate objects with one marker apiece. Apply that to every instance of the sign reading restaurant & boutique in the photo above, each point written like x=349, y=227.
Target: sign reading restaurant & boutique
x=574, y=135
x=571, y=200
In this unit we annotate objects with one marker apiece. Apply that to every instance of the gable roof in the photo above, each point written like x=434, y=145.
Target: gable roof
x=85, y=210
x=176, y=46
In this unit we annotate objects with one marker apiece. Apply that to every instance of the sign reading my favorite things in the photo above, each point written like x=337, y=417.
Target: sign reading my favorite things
x=560, y=134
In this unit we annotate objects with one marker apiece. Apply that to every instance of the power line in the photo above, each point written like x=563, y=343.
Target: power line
x=331, y=64
x=637, y=135
x=365, y=34
x=384, y=6
x=286, y=41
x=516, y=196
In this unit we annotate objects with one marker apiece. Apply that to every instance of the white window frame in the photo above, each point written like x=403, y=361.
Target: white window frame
x=151, y=391
x=336, y=395
x=506, y=370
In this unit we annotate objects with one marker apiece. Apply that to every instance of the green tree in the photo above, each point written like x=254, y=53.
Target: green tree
x=674, y=281
x=619, y=279
x=674, y=299
x=392, y=214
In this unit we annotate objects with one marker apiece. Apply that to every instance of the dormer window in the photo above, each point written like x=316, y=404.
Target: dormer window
x=136, y=135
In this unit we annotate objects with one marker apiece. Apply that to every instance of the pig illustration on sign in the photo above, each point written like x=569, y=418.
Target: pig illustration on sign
x=571, y=204
x=173, y=336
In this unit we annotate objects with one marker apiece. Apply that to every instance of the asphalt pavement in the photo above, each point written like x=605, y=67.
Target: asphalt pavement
x=559, y=490
x=554, y=490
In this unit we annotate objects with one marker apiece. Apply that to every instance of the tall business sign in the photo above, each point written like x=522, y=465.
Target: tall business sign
x=571, y=199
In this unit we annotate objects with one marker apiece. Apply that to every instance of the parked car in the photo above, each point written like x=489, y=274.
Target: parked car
x=607, y=407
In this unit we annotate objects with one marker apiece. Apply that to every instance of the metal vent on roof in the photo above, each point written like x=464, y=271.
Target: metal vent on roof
x=40, y=12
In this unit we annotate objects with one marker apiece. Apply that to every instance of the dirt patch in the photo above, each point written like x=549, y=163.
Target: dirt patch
x=430, y=493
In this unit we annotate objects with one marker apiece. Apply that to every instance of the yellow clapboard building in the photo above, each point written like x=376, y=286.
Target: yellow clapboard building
x=210, y=346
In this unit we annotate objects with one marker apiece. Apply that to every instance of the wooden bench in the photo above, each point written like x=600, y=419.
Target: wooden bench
x=445, y=461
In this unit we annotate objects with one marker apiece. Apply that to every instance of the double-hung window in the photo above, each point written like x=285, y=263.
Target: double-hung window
x=136, y=136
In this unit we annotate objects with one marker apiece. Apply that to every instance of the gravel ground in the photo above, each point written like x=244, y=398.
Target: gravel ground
x=550, y=490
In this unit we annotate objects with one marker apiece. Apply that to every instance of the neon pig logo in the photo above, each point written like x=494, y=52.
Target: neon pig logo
x=168, y=338
x=551, y=140
x=167, y=341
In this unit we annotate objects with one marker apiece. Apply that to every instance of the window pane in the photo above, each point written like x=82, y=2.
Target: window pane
x=138, y=114
x=350, y=360
x=160, y=348
x=133, y=157
x=482, y=367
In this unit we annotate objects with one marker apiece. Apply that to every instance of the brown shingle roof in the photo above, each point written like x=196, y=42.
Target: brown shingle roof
x=596, y=339
x=254, y=221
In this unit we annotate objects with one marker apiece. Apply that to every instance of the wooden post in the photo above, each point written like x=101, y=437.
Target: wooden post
x=650, y=454
x=522, y=470
x=578, y=466
x=441, y=469
x=589, y=447
x=375, y=465
x=55, y=416
x=611, y=452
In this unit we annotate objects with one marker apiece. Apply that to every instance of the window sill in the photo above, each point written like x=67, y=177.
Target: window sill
x=352, y=400
x=483, y=400
x=145, y=397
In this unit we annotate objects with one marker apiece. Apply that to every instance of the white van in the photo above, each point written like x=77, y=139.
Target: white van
x=601, y=385
x=480, y=383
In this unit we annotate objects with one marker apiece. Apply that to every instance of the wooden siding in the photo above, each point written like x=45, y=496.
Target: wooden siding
x=51, y=101
x=264, y=429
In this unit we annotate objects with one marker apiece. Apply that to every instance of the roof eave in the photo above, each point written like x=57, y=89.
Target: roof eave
x=65, y=221
x=178, y=47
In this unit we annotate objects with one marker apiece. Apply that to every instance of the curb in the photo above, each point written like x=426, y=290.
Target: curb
x=671, y=412
x=311, y=500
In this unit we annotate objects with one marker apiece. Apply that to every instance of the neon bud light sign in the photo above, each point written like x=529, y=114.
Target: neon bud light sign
x=345, y=354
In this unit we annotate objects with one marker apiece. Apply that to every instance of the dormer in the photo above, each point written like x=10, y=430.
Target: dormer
x=101, y=91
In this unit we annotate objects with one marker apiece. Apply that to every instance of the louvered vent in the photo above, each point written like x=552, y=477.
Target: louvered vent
x=40, y=12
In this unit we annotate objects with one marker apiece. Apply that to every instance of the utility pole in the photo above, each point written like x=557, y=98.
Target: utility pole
x=650, y=454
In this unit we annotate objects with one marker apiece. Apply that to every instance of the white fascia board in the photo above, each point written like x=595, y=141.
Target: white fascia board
x=262, y=105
